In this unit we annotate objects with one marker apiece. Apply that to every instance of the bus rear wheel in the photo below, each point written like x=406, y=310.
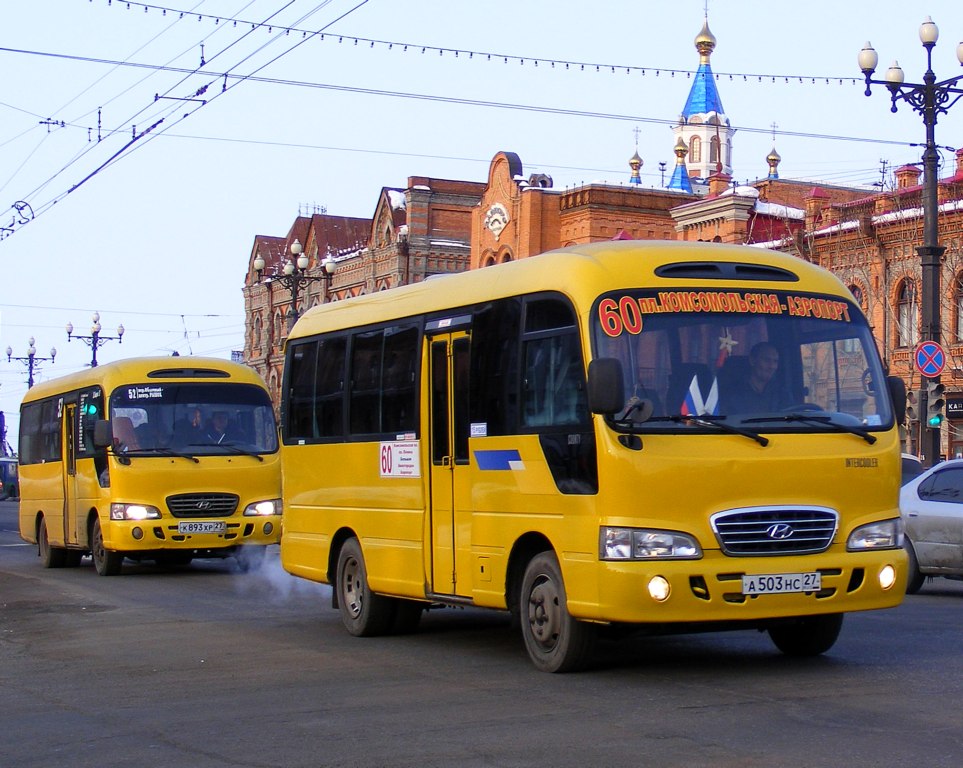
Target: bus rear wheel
x=106, y=563
x=50, y=556
x=363, y=613
x=806, y=635
x=555, y=641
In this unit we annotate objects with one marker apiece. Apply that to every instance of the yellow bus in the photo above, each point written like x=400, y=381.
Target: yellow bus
x=578, y=438
x=155, y=458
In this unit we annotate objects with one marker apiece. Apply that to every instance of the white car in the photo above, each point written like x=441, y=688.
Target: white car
x=931, y=505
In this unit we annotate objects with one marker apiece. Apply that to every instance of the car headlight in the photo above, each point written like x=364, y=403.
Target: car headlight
x=646, y=544
x=263, y=508
x=886, y=534
x=134, y=512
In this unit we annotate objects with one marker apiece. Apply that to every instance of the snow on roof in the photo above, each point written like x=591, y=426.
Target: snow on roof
x=779, y=211
x=397, y=199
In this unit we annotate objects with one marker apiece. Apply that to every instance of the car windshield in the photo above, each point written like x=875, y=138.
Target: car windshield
x=753, y=360
x=192, y=418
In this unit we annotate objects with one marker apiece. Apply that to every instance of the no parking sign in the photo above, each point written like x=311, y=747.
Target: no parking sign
x=930, y=359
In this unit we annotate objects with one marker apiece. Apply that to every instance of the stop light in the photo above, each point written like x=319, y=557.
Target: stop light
x=913, y=405
x=934, y=404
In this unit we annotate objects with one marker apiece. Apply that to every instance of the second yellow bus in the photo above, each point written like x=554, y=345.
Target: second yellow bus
x=150, y=458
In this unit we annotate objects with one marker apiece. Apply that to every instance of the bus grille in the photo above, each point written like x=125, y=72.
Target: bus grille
x=202, y=504
x=775, y=530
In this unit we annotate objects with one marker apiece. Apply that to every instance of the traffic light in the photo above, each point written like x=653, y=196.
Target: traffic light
x=913, y=406
x=934, y=404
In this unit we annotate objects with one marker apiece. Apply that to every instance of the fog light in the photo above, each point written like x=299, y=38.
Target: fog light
x=268, y=528
x=887, y=576
x=659, y=588
x=137, y=533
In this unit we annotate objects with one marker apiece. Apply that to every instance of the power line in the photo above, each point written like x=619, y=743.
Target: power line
x=487, y=56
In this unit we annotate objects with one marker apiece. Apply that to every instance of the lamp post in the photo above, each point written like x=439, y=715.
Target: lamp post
x=31, y=360
x=96, y=340
x=930, y=99
x=294, y=275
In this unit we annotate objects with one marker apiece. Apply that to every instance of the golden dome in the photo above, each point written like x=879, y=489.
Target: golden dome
x=705, y=42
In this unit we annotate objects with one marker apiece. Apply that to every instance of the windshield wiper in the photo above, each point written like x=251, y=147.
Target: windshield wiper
x=232, y=449
x=812, y=419
x=716, y=423
x=162, y=452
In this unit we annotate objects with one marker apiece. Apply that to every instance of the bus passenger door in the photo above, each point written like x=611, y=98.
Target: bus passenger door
x=70, y=473
x=450, y=510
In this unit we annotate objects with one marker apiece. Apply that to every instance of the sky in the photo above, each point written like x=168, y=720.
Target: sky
x=147, y=174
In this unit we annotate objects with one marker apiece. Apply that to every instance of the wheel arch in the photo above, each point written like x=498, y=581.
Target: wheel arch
x=524, y=549
x=334, y=551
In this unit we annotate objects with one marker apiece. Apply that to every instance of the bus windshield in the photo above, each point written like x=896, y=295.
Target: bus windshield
x=192, y=418
x=764, y=361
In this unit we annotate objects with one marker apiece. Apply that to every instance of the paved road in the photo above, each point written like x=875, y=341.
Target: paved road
x=208, y=667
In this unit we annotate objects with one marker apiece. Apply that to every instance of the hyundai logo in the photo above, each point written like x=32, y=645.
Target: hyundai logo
x=779, y=531
x=207, y=505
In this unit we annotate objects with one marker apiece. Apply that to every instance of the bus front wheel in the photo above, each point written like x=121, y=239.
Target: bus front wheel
x=363, y=613
x=555, y=641
x=50, y=556
x=807, y=635
x=106, y=563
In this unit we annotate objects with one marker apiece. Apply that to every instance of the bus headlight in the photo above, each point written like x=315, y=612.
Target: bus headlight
x=263, y=508
x=646, y=544
x=134, y=512
x=886, y=534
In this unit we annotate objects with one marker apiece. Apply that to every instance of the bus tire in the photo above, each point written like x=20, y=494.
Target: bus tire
x=555, y=641
x=106, y=563
x=807, y=635
x=50, y=556
x=363, y=613
x=914, y=579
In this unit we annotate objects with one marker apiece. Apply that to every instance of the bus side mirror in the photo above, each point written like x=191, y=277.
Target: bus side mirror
x=606, y=389
x=103, y=434
x=897, y=392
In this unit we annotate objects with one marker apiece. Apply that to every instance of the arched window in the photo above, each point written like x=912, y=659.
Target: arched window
x=277, y=325
x=695, y=150
x=256, y=333
x=714, y=149
x=858, y=295
x=907, y=330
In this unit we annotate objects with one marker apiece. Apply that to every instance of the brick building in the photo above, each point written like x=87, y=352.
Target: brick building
x=422, y=230
x=867, y=237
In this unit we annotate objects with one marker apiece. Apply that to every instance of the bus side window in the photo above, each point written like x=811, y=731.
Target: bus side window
x=30, y=434
x=329, y=389
x=554, y=384
x=50, y=449
x=554, y=379
x=493, y=398
x=399, y=398
x=299, y=420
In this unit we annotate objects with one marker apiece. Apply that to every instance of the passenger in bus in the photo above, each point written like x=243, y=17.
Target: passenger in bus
x=188, y=430
x=757, y=389
x=219, y=429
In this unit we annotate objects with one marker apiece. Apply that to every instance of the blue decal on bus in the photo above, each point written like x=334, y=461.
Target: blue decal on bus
x=498, y=459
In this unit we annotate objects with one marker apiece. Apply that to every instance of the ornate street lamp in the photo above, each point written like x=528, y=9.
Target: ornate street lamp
x=31, y=360
x=930, y=99
x=96, y=340
x=294, y=275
